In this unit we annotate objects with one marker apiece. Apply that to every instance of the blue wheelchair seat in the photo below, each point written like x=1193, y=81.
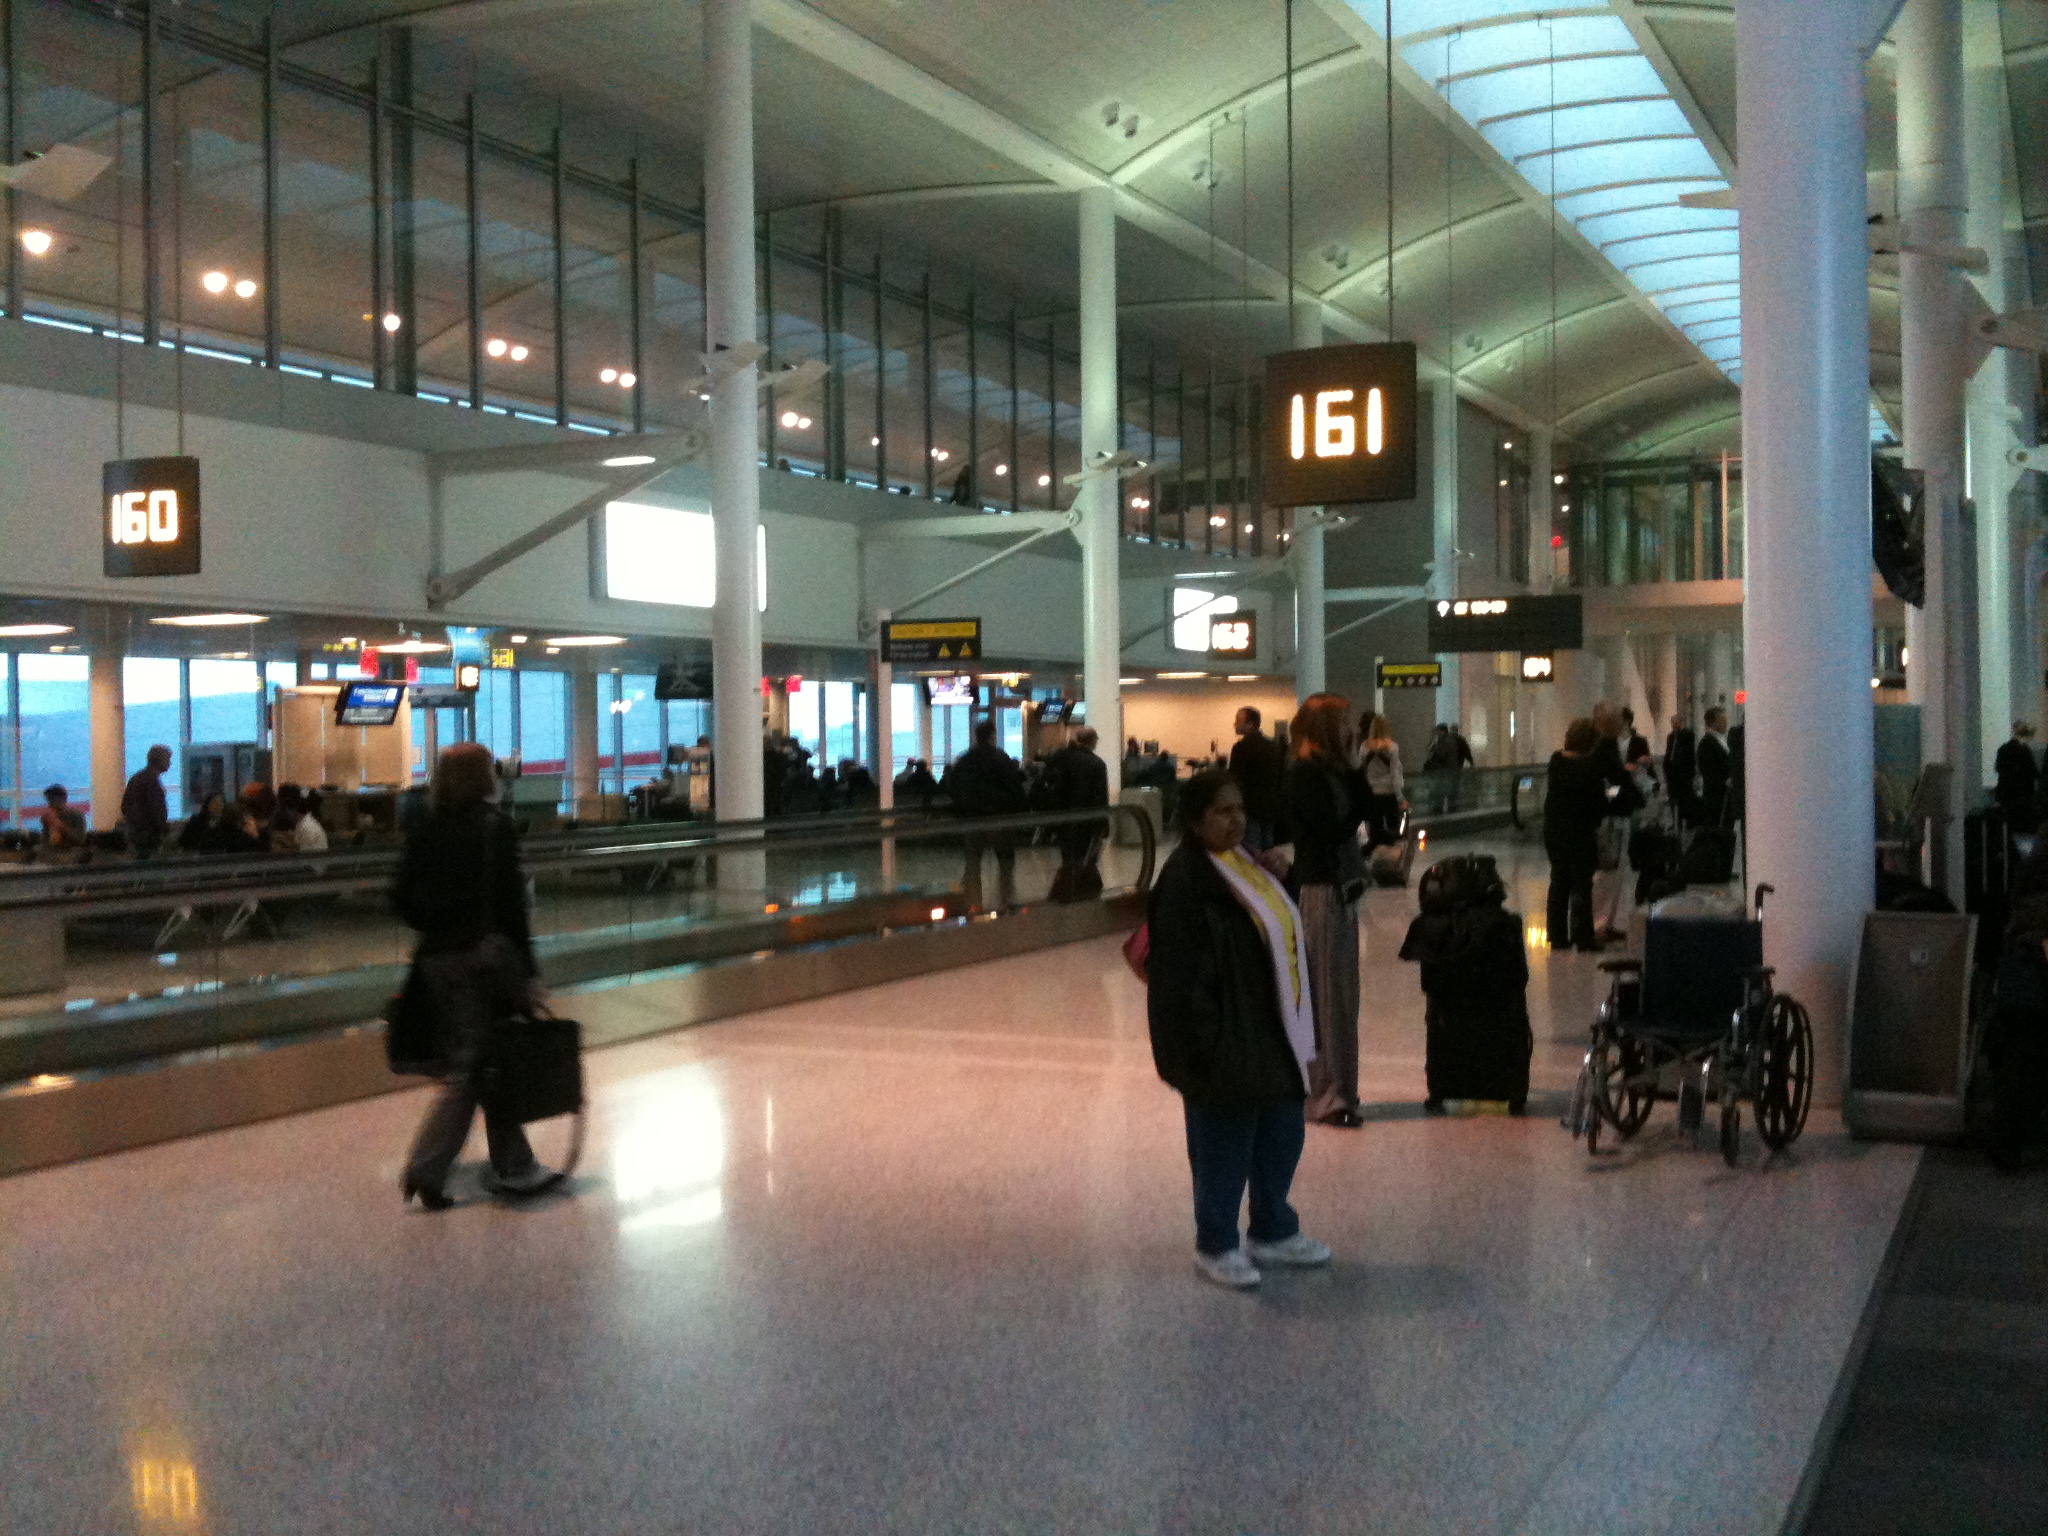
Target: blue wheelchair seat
x=1696, y=976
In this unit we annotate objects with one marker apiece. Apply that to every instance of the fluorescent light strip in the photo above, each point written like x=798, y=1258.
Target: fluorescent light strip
x=210, y=620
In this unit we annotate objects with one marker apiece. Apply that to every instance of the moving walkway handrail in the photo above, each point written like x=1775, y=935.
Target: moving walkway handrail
x=113, y=889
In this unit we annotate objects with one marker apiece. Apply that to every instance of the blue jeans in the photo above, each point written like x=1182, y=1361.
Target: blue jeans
x=1231, y=1145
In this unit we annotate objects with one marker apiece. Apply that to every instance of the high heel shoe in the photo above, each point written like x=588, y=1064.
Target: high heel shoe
x=433, y=1199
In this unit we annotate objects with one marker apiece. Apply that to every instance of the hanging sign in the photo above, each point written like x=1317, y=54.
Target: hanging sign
x=149, y=517
x=1234, y=634
x=1539, y=667
x=1340, y=425
x=1410, y=674
x=916, y=642
x=1507, y=624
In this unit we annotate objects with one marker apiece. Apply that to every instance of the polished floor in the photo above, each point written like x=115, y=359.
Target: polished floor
x=917, y=1259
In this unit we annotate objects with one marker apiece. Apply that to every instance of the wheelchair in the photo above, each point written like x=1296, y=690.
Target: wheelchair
x=1697, y=1019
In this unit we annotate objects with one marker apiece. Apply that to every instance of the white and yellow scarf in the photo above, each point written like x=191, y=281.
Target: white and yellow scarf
x=1280, y=923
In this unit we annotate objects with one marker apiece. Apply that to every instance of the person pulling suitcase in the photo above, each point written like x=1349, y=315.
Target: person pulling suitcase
x=1475, y=976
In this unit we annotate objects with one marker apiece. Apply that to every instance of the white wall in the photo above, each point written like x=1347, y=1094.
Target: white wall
x=1185, y=717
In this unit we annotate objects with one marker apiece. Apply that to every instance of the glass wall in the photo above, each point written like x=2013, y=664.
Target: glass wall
x=544, y=721
x=1650, y=521
x=54, y=734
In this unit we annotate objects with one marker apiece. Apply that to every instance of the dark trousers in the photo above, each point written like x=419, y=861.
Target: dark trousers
x=2019, y=1053
x=1004, y=847
x=471, y=990
x=1232, y=1145
x=1569, y=911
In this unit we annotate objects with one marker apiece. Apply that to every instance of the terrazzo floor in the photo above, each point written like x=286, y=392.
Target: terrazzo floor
x=917, y=1259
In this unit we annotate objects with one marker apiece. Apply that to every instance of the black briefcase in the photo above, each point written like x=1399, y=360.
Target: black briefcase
x=532, y=1069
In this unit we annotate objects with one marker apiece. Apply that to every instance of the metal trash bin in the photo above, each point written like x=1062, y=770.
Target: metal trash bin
x=1145, y=797
x=1911, y=1039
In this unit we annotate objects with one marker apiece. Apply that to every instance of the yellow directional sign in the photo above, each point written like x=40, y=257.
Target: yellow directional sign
x=921, y=640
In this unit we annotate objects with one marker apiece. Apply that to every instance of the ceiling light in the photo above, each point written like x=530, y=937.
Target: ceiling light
x=1140, y=502
x=392, y=322
x=214, y=282
x=26, y=631
x=1218, y=521
x=210, y=620
x=412, y=647
x=789, y=418
x=1507, y=447
x=36, y=242
x=1247, y=527
x=1557, y=479
x=629, y=460
x=558, y=640
x=627, y=381
x=246, y=288
x=941, y=455
x=1044, y=480
x=1180, y=677
x=874, y=442
x=608, y=376
x=553, y=651
x=1128, y=681
x=520, y=354
x=803, y=422
x=1002, y=469
x=1242, y=677
x=496, y=346
x=1503, y=485
x=519, y=639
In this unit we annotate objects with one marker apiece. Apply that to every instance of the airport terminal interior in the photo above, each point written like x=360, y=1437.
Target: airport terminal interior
x=923, y=634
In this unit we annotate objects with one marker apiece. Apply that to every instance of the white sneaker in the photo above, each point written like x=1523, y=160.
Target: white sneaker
x=1232, y=1269
x=1297, y=1252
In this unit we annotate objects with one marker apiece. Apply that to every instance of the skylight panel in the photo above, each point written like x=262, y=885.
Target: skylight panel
x=1596, y=122
x=1630, y=254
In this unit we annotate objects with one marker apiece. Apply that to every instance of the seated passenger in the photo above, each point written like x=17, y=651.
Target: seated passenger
x=217, y=827
x=295, y=829
x=258, y=805
x=63, y=828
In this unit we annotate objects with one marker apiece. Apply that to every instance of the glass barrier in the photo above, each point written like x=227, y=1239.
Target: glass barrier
x=120, y=960
x=1436, y=797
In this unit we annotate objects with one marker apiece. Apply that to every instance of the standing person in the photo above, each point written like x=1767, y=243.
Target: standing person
x=1448, y=756
x=1681, y=770
x=986, y=781
x=1229, y=1008
x=2019, y=777
x=1611, y=885
x=461, y=888
x=1574, y=803
x=1258, y=765
x=1386, y=797
x=145, y=815
x=1078, y=780
x=1324, y=801
x=63, y=827
x=1717, y=768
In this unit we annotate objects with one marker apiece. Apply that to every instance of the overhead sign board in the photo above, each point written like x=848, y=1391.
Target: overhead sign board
x=503, y=658
x=919, y=642
x=1410, y=674
x=1340, y=425
x=149, y=517
x=1555, y=623
x=1234, y=634
x=1539, y=667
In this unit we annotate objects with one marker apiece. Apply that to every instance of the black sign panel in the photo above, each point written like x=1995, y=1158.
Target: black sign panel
x=149, y=517
x=1539, y=667
x=1410, y=674
x=1508, y=624
x=1233, y=634
x=917, y=642
x=1340, y=425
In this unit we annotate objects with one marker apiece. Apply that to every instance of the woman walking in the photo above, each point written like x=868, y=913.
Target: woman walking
x=1574, y=804
x=1324, y=800
x=1385, y=789
x=461, y=887
x=1228, y=1004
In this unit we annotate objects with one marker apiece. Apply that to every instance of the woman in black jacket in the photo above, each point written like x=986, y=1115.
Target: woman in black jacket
x=1574, y=804
x=461, y=887
x=1324, y=798
x=1229, y=1013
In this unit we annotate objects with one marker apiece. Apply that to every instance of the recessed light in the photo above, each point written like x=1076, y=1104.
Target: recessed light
x=37, y=242
x=1128, y=681
x=554, y=650
x=874, y=442
x=608, y=376
x=1045, y=480
x=25, y=631
x=1002, y=469
x=519, y=639
x=560, y=640
x=627, y=381
x=496, y=346
x=412, y=647
x=629, y=460
x=246, y=288
x=214, y=282
x=392, y=322
x=210, y=620
x=789, y=418
x=520, y=354
x=803, y=423
x=1180, y=677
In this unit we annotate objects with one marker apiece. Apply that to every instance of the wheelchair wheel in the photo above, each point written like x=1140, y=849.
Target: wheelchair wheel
x=1784, y=1077
x=1731, y=1133
x=1622, y=1090
x=1581, y=1104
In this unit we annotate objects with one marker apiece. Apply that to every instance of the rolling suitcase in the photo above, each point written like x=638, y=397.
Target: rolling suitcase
x=1391, y=863
x=1475, y=976
x=1709, y=857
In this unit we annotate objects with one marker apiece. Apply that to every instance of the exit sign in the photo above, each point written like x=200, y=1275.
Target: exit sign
x=1340, y=425
x=149, y=517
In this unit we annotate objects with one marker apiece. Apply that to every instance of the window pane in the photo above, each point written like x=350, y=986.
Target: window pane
x=839, y=721
x=56, y=741
x=323, y=231
x=150, y=718
x=902, y=725
x=10, y=792
x=494, y=712
x=596, y=303
x=224, y=700
x=213, y=127
x=517, y=246
x=543, y=714
x=435, y=224
x=641, y=727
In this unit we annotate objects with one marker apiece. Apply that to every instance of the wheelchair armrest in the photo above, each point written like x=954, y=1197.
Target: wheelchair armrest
x=1616, y=967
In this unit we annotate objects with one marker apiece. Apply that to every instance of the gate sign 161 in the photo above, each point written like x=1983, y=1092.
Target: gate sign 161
x=1340, y=425
x=149, y=511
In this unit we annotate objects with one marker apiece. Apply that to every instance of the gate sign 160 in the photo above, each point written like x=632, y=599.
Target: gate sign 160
x=150, y=517
x=1340, y=426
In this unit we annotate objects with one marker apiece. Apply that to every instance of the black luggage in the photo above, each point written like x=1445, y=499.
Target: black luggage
x=1989, y=863
x=1475, y=974
x=1709, y=857
x=532, y=1068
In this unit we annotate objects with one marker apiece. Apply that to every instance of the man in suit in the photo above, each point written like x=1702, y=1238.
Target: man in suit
x=2019, y=777
x=1716, y=767
x=1681, y=770
x=1078, y=780
x=1257, y=763
x=986, y=781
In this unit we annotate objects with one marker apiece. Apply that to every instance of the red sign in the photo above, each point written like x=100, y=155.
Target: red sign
x=1742, y=695
x=412, y=669
x=367, y=661
x=794, y=684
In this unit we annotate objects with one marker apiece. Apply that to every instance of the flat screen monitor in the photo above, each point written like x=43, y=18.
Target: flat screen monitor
x=368, y=703
x=673, y=680
x=1052, y=712
x=942, y=691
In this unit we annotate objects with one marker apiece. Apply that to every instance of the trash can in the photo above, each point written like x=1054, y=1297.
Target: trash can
x=1145, y=797
x=1911, y=1040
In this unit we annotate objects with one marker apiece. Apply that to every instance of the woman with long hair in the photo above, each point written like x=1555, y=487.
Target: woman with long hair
x=1574, y=803
x=461, y=887
x=1379, y=757
x=1324, y=802
x=1227, y=999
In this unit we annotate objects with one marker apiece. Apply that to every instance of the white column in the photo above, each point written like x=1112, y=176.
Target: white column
x=735, y=450
x=584, y=746
x=1311, y=614
x=1538, y=701
x=1101, y=608
x=1669, y=702
x=1933, y=189
x=1443, y=581
x=107, y=724
x=2007, y=671
x=1721, y=673
x=1806, y=469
